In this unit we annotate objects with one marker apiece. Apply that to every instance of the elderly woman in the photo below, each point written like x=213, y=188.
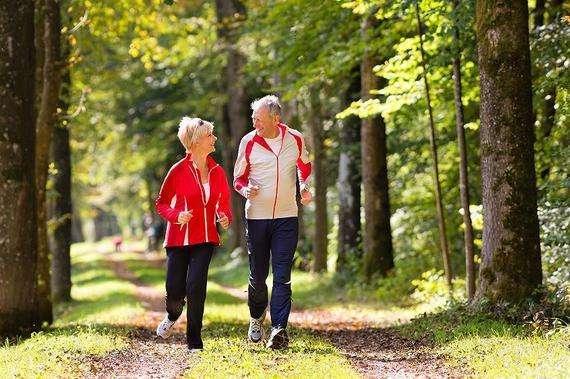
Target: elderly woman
x=194, y=196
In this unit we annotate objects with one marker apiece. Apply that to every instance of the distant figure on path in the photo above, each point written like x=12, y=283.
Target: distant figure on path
x=117, y=243
x=270, y=158
x=194, y=196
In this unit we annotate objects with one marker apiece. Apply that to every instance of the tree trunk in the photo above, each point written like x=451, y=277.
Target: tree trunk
x=349, y=180
x=47, y=115
x=60, y=207
x=230, y=15
x=18, y=217
x=320, y=185
x=76, y=228
x=510, y=268
x=463, y=173
x=378, y=252
x=539, y=13
x=438, y=198
x=546, y=104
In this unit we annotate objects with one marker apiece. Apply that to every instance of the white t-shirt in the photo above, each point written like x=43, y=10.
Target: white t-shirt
x=206, y=190
x=274, y=143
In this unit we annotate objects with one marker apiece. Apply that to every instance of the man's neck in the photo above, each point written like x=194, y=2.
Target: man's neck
x=272, y=133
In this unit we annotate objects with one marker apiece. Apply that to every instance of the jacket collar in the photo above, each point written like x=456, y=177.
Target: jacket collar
x=210, y=161
x=260, y=140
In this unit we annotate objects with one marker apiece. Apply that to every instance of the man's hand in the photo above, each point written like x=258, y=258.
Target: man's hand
x=224, y=221
x=184, y=217
x=306, y=197
x=251, y=191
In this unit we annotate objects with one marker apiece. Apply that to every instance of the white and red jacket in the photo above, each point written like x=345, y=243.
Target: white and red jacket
x=182, y=190
x=275, y=173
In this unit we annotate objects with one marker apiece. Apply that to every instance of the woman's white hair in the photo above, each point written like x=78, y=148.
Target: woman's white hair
x=271, y=102
x=190, y=129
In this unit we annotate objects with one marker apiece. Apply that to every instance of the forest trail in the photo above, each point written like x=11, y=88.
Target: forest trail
x=147, y=355
x=373, y=350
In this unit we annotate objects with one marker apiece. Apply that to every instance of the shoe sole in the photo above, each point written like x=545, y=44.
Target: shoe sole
x=278, y=343
x=255, y=341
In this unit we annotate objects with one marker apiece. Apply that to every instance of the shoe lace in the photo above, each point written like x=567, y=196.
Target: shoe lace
x=255, y=324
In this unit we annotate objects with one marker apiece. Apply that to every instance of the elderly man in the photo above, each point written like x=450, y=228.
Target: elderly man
x=271, y=158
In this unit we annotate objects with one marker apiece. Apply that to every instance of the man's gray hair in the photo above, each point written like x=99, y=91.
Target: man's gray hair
x=271, y=102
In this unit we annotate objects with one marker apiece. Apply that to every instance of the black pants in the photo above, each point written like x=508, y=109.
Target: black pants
x=187, y=276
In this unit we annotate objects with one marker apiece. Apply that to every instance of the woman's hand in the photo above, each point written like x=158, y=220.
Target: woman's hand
x=184, y=217
x=224, y=221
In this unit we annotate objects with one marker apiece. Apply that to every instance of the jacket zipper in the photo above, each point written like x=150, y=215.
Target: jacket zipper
x=276, y=186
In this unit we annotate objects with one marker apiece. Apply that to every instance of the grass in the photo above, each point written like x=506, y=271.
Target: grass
x=323, y=291
x=488, y=347
x=227, y=352
x=494, y=348
x=92, y=325
x=97, y=322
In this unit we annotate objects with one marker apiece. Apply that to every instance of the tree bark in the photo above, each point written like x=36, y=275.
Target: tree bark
x=378, y=251
x=47, y=116
x=463, y=172
x=438, y=198
x=18, y=215
x=511, y=267
x=230, y=16
x=60, y=206
x=349, y=179
x=320, y=185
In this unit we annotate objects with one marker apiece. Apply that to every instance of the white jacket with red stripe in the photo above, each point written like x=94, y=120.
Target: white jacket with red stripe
x=274, y=172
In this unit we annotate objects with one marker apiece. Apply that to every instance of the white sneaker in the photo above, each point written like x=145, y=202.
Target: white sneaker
x=164, y=328
x=255, y=332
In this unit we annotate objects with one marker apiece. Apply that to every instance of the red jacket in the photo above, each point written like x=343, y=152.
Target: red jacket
x=182, y=190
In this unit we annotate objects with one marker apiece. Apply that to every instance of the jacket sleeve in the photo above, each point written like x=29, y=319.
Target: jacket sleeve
x=225, y=205
x=241, y=169
x=167, y=192
x=304, y=165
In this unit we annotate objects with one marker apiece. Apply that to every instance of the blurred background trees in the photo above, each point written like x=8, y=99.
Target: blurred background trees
x=350, y=75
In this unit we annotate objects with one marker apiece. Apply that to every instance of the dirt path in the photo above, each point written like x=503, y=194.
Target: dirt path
x=145, y=356
x=374, y=351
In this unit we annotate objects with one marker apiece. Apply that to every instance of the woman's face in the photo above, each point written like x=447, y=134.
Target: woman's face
x=206, y=143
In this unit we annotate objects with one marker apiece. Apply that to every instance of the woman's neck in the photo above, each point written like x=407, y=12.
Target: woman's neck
x=199, y=158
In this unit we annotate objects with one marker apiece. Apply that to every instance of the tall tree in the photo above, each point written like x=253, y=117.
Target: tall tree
x=349, y=179
x=432, y=138
x=47, y=115
x=378, y=252
x=511, y=267
x=18, y=217
x=60, y=207
x=546, y=101
x=230, y=15
x=318, y=150
x=463, y=172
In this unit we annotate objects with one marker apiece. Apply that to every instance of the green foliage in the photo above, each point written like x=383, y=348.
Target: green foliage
x=555, y=243
x=141, y=73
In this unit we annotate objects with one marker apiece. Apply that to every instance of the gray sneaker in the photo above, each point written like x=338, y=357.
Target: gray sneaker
x=255, y=332
x=278, y=339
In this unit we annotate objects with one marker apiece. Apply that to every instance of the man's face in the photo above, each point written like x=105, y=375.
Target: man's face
x=263, y=121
